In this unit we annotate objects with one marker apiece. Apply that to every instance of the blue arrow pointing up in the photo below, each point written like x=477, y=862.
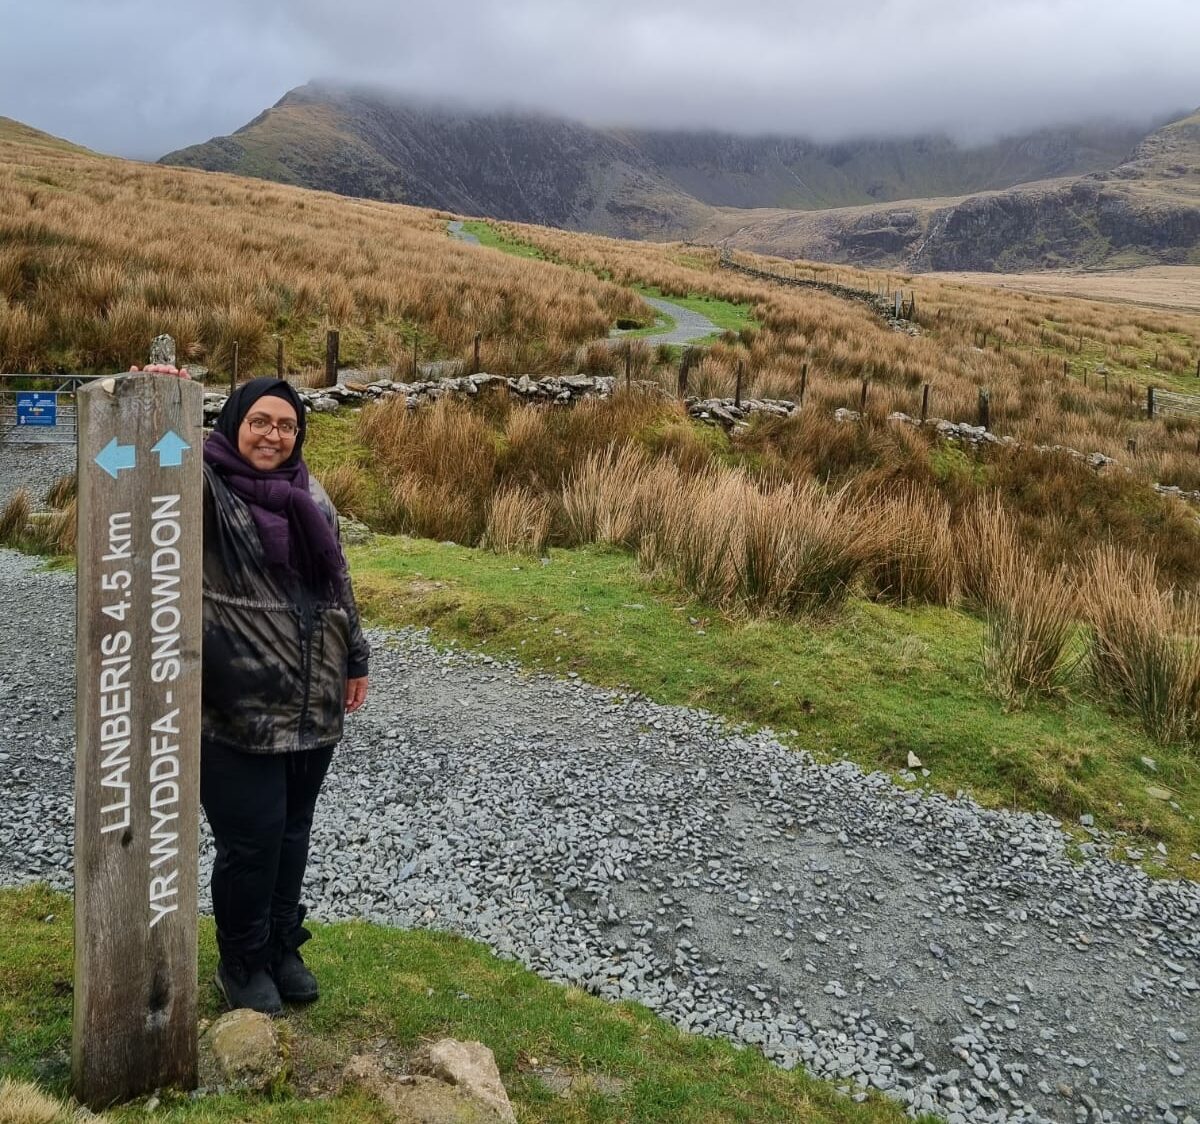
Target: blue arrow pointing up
x=113, y=457
x=170, y=449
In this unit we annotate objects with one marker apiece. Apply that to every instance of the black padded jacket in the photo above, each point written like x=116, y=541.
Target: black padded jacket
x=275, y=659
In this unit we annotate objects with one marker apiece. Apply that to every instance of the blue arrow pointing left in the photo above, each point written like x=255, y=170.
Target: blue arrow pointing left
x=170, y=448
x=113, y=457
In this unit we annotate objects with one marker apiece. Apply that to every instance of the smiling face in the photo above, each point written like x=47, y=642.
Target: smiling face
x=269, y=450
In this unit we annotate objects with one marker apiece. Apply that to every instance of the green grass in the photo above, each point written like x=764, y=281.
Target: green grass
x=396, y=988
x=662, y=323
x=727, y=316
x=871, y=685
x=489, y=236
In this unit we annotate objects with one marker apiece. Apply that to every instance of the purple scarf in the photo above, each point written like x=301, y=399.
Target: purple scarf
x=295, y=534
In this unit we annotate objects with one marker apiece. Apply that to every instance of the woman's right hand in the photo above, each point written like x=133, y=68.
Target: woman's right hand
x=161, y=369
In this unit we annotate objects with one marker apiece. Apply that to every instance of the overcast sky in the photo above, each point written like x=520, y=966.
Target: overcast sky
x=141, y=77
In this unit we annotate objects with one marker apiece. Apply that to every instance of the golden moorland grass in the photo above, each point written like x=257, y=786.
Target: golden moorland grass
x=97, y=255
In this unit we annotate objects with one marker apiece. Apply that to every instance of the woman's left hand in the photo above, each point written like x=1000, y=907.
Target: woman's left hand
x=356, y=694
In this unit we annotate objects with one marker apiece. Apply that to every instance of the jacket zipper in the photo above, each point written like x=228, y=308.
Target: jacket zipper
x=306, y=638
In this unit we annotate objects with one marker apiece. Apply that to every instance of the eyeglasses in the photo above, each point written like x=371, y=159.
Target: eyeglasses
x=262, y=426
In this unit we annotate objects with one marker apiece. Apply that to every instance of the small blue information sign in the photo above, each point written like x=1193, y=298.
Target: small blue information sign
x=37, y=407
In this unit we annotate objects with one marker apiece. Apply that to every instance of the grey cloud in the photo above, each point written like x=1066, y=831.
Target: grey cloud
x=820, y=69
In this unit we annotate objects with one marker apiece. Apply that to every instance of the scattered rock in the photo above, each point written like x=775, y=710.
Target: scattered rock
x=247, y=1048
x=418, y=1099
x=469, y=1065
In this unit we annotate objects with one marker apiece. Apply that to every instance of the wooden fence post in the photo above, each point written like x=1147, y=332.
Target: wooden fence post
x=1150, y=402
x=628, y=365
x=475, y=360
x=233, y=370
x=862, y=401
x=803, y=382
x=332, y=340
x=925, y=403
x=279, y=357
x=415, y=368
x=683, y=371
x=137, y=736
x=737, y=386
x=985, y=408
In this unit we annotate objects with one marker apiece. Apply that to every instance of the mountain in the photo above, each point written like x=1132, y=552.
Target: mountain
x=1145, y=210
x=1071, y=195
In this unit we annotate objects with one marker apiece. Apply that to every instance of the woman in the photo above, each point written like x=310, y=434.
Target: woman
x=284, y=657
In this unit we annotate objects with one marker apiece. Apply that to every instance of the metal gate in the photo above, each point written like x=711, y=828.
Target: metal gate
x=41, y=416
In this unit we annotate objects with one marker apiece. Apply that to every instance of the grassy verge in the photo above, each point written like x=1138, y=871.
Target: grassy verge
x=388, y=990
x=726, y=315
x=489, y=236
x=872, y=685
x=663, y=322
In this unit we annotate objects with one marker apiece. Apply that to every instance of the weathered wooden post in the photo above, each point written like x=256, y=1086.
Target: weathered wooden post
x=803, y=382
x=415, y=367
x=737, y=386
x=233, y=369
x=684, y=364
x=862, y=401
x=279, y=357
x=332, y=341
x=137, y=729
x=475, y=360
x=628, y=365
x=924, y=403
x=1150, y=402
x=985, y=408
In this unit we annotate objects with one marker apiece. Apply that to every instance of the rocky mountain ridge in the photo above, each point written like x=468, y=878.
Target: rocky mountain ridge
x=1080, y=196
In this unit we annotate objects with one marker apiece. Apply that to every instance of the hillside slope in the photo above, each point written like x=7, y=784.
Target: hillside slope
x=1144, y=211
x=625, y=182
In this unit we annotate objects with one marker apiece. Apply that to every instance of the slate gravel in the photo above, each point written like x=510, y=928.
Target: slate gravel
x=958, y=959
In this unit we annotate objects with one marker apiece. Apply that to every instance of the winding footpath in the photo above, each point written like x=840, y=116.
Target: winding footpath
x=689, y=326
x=958, y=959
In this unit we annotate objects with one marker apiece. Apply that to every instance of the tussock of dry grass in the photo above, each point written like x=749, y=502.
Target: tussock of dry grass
x=1144, y=648
x=23, y=1103
x=1031, y=618
x=14, y=518
x=916, y=561
x=518, y=522
x=344, y=485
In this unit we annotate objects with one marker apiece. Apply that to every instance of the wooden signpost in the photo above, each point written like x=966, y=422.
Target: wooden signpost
x=138, y=636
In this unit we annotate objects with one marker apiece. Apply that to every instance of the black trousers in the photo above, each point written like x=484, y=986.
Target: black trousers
x=260, y=809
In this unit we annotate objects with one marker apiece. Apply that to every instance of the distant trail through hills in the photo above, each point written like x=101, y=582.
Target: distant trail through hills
x=689, y=326
x=456, y=231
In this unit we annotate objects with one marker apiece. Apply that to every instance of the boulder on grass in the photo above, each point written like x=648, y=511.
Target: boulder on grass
x=418, y=1099
x=470, y=1066
x=247, y=1048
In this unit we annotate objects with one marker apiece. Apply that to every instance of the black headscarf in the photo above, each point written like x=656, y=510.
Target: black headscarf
x=238, y=404
x=296, y=536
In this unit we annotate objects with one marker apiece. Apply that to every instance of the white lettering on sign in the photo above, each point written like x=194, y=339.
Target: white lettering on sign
x=114, y=696
x=165, y=667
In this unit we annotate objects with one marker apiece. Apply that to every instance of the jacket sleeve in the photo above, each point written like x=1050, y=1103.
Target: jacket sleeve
x=360, y=650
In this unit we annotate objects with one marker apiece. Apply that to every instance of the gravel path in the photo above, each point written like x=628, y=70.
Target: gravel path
x=34, y=466
x=456, y=231
x=689, y=326
x=955, y=957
